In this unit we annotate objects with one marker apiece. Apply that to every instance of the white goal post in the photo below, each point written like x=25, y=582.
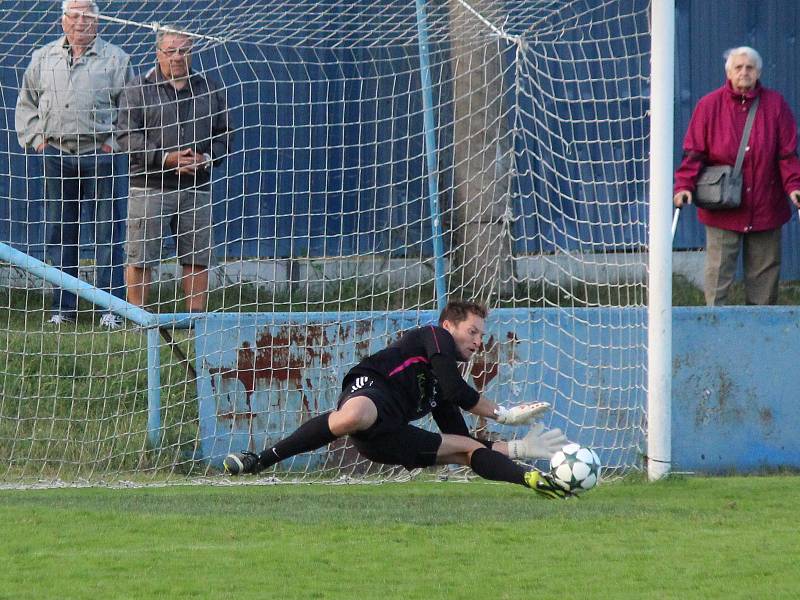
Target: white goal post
x=659, y=333
x=381, y=157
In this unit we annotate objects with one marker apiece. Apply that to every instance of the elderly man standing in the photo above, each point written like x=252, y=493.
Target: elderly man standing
x=771, y=172
x=66, y=110
x=173, y=123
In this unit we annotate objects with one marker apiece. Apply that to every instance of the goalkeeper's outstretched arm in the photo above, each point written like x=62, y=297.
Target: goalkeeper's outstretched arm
x=538, y=443
x=516, y=415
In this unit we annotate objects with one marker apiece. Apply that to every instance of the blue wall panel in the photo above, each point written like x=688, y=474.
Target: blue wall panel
x=587, y=363
x=328, y=157
x=734, y=389
x=734, y=404
x=317, y=129
x=328, y=153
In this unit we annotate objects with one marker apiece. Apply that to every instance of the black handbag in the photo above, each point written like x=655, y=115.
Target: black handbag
x=719, y=187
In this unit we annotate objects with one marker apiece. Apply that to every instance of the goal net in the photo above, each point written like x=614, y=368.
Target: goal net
x=379, y=157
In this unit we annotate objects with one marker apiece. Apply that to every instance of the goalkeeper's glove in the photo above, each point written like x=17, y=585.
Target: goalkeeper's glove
x=517, y=415
x=537, y=444
x=544, y=485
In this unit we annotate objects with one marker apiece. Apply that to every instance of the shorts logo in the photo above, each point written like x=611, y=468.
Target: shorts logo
x=359, y=383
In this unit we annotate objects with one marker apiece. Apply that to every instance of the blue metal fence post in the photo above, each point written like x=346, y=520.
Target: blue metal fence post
x=153, y=387
x=430, y=154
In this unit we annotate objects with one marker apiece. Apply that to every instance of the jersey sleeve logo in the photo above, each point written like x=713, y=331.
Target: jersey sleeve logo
x=359, y=383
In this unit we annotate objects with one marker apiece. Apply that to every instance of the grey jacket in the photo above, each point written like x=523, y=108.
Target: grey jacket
x=155, y=119
x=69, y=104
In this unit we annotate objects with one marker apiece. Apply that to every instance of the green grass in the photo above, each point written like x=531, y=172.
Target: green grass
x=77, y=400
x=685, y=538
x=685, y=293
x=350, y=295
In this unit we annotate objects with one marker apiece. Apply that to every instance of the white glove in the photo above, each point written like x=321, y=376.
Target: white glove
x=537, y=444
x=517, y=415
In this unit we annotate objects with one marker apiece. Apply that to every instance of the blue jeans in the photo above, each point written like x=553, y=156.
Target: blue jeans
x=80, y=194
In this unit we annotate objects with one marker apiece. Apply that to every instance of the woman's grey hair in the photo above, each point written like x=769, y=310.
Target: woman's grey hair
x=65, y=6
x=746, y=50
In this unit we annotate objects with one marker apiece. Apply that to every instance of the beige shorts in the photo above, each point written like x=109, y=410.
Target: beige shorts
x=155, y=214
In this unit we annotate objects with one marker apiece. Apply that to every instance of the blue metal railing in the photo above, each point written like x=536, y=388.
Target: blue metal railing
x=430, y=155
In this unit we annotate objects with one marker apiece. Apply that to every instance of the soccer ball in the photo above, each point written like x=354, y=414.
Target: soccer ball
x=575, y=468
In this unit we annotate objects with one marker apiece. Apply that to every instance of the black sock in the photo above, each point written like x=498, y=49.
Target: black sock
x=309, y=436
x=490, y=464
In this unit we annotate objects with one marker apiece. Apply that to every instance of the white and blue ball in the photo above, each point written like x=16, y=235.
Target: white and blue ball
x=575, y=468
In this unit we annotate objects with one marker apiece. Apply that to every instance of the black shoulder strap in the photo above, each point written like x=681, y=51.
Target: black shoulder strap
x=748, y=126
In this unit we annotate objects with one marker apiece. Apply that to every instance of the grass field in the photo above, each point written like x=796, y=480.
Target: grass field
x=733, y=537
x=703, y=538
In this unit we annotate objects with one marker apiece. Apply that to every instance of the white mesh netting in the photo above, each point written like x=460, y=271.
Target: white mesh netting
x=521, y=126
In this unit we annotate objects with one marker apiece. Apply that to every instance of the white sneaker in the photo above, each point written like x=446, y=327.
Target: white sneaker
x=59, y=319
x=110, y=321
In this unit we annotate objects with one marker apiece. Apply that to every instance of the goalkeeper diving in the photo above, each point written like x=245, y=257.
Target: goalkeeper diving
x=415, y=376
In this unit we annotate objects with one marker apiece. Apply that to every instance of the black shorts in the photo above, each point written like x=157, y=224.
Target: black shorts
x=390, y=440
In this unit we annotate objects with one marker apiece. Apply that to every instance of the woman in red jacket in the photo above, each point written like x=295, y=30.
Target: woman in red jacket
x=771, y=171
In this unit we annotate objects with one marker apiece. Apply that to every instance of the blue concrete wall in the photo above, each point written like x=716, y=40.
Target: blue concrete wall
x=261, y=375
x=735, y=389
x=736, y=404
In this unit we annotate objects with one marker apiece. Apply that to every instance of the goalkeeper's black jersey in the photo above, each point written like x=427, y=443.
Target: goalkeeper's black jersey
x=419, y=371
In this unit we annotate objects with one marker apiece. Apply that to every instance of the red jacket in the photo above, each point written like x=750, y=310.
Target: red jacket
x=771, y=168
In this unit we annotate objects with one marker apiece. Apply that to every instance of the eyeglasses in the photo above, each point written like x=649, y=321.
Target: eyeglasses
x=176, y=51
x=77, y=14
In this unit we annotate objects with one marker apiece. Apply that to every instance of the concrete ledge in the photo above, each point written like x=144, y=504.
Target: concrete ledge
x=690, y=264
x=384, y=273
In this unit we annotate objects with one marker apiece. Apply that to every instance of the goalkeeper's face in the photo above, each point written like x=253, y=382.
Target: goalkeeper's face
x=468, y=335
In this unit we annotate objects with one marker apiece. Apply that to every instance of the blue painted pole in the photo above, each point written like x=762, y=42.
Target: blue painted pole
x=88, y=292
x=177, y=320
x=430, y=155
x=153, y=387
